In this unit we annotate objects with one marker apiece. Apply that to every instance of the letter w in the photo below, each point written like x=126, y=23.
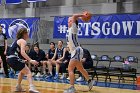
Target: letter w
x=127, y=25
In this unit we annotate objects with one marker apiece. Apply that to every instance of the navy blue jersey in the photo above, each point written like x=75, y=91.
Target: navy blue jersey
x=59, y=52
x=51, y=53
x=15, y=49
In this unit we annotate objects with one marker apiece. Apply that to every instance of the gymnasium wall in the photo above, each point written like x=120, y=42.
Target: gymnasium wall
x=48, y=10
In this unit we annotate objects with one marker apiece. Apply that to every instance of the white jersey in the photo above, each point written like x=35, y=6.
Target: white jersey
x=72, y=38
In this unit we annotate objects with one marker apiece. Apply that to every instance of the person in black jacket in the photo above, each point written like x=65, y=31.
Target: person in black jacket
x=87, y=63
x=38, y=55
x=3, y=51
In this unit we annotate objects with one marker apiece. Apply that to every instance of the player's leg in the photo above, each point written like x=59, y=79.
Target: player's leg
x=80, y=68
x=71, y=67
x=49, y=64
x=38, y=69
x=44, y=67
x=18, y=86
x=63, y=67
x=57, y=70
x=27, y=72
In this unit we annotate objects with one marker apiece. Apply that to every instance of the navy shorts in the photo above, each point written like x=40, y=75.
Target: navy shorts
x=16, y=63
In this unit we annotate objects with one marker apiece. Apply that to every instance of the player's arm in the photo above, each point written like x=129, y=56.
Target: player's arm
x=22, y=44
x=82, y=15
x=73, y=19
x=54, y=56
x=76, y=17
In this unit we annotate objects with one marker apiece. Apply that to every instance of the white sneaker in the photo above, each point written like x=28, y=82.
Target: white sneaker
x=19, y=89
x=33, y=74
x=90, y=84
x=38, y=75
x=62, y=77
x=33, y=90
x=68, y=78
x=70, y=90
x=80, y=79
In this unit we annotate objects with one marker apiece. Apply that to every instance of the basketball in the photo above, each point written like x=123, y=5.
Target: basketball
x=87, y=16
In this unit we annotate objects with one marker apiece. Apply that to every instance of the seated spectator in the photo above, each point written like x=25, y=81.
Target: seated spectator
x=50, y=54
x=64, y=64
x=57, y=58
x=38, y=55
x=87, y=63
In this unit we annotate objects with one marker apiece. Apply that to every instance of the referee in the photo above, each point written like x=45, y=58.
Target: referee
x=3, y=51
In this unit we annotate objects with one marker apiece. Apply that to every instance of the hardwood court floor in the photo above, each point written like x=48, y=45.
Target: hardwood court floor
x=8, y=86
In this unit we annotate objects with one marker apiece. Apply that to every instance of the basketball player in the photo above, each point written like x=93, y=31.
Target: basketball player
x=49, y=55
x=76, y=50
x=15, y=60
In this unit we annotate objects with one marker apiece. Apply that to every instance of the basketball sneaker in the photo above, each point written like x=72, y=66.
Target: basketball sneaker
x=80, y=79
x=19, y=89
x=33, y=90
x=70, y=90
x=90, y=84
x=56, y=77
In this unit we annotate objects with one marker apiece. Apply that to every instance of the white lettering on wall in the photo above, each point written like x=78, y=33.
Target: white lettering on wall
x=138, y=27
x=87, y=28
x=96, y=28
x=116, y=25
x=127, y=27
x=79, y=29
x=105, y=28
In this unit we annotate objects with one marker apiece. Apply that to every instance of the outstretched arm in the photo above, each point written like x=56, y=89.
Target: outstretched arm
x=76, y=17
x=22, y=44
